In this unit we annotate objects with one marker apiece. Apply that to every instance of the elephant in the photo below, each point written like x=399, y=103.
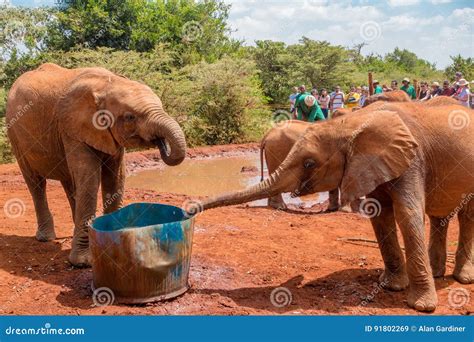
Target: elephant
x=408, y=159
x=389, y=96
x=274, y=148
x=73, y=125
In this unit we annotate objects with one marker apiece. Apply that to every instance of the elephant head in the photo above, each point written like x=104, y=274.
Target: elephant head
x=356, y=152
x=108, y=112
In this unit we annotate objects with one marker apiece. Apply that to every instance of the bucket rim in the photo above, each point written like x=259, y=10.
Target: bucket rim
x=185, y=218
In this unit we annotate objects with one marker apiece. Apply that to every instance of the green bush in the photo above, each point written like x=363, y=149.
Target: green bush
x=6, y=155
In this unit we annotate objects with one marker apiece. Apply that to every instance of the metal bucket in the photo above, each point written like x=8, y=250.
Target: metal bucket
x=142, y=252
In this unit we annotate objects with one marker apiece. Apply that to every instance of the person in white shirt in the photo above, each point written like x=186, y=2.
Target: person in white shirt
x=337, y=99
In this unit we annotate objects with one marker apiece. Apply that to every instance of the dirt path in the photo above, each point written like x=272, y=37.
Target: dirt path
x=240, y=255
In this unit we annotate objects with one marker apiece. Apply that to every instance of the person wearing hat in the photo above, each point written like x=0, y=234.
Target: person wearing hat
x=377, y=88
x=435, y=90
x=407, y=88
x=447, y=89
x=462, y=94
x=307, y=108
x=457, y=78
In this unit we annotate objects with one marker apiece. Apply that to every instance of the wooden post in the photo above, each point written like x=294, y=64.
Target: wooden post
x=415, y=84
x=371, y=85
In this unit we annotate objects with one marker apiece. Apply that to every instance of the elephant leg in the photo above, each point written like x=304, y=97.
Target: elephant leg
x=69, y=190
x=394, y=276
x=437, y=245
x=333, y=200
x=85, y=169
x=112, y=182
x=409, y=214
x=463, y=268
x=277, y=202
x=37, y=187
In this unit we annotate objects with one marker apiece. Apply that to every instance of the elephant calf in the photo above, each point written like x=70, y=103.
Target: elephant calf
x=408, y=159
x=276, y=145
x=72, y=125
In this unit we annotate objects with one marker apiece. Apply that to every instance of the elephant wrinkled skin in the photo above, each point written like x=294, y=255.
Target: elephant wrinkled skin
x=72, y=125
x=408, y=159
x=276, y=145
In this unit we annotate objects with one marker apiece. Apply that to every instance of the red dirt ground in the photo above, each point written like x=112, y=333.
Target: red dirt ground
x=240, y=255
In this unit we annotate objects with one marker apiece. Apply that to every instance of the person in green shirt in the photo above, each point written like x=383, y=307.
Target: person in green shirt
x=407, y=88
x=307, y=108
x=377, y=88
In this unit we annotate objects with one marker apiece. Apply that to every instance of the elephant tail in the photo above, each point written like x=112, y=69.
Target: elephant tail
x=262, y=148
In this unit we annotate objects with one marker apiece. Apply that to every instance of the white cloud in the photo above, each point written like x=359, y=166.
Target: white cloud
x=439, y=2
x=398, y=3
x=434, y=37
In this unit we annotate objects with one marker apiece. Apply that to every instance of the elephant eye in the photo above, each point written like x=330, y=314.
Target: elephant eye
x=129, y=117
x=309, y=164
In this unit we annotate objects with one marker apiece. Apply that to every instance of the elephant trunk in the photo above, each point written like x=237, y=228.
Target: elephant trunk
x=268, y=188
x=171, y=141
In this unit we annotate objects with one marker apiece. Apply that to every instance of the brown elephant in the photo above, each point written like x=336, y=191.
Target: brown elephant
x=408, y=159
x=390, y=96
x=275, y=146
x=72, y=125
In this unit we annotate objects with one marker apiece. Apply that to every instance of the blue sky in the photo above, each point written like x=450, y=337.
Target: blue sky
x=433, y=29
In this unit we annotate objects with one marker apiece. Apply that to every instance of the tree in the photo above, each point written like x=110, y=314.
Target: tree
x=463, y=65
x=23, y=30
x=196, y=29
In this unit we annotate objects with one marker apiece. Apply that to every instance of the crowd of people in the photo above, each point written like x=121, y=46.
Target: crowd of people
x=318, y=105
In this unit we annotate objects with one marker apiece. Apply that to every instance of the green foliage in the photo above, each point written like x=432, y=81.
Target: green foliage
x=310, y=62
x=23, y=27
x=217, y=103
x=463, y=65
x=194, y=29
x=6, y=155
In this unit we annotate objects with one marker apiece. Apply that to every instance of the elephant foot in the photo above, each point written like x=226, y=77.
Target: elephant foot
x=81, y=258
x=45, y=234
x=423, y=298
x=394, y=281
x=277, y=204
x=465, y=274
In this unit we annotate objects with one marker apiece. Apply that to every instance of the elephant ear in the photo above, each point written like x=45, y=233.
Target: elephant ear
x=380, y=148
x=81, y=114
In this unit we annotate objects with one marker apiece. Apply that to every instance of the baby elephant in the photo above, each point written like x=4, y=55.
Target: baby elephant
x=275, y=146
x=73, y=125
x=410, y=160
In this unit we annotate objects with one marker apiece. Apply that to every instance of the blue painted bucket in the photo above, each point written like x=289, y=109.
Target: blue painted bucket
x=142, y=252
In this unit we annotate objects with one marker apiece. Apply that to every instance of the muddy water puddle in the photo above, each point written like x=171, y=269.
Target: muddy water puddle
x=209, y=177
